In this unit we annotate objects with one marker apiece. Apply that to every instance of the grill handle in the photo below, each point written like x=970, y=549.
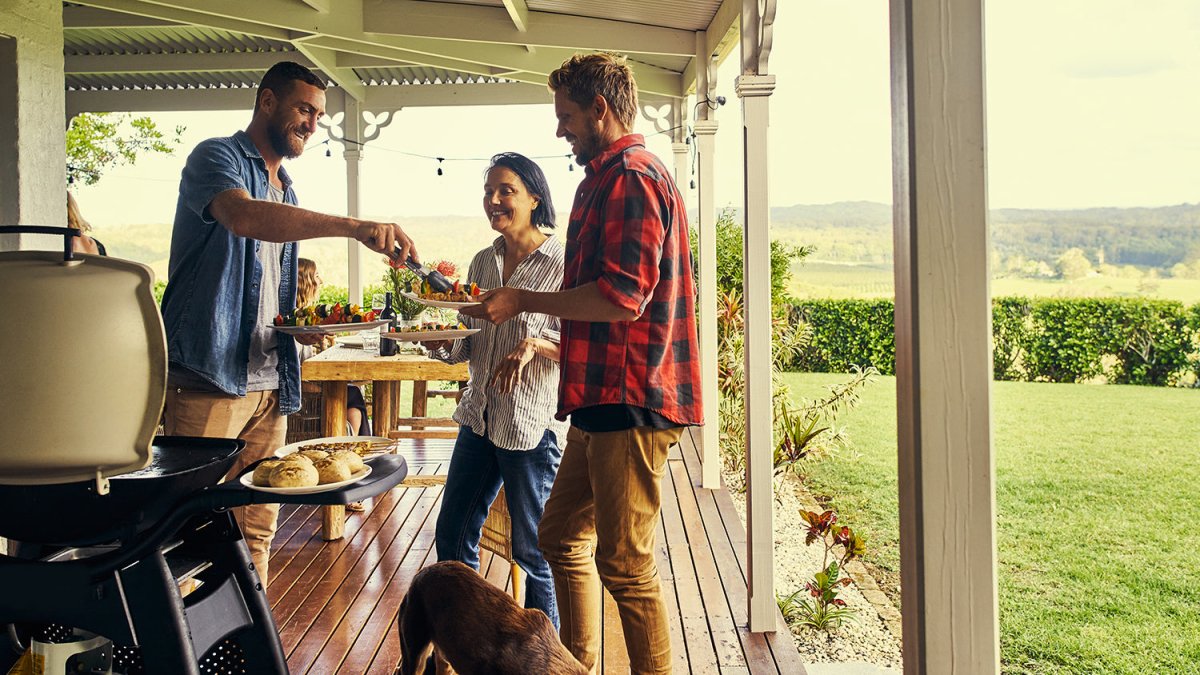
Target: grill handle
x=65, y=232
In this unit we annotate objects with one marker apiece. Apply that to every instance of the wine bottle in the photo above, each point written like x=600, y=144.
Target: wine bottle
x=387, y=347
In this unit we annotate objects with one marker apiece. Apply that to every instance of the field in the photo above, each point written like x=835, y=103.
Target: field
x=1097, y=496
x=825, y=279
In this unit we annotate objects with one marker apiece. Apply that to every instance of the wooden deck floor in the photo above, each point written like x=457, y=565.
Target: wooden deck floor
x=336, y=602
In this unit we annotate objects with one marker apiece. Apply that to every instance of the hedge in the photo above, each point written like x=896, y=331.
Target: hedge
x=1124, y=340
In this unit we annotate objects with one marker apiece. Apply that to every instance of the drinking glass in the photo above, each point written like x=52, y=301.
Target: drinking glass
x=370, y=339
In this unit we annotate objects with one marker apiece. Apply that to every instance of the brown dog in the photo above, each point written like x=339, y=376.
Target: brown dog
x=476, y=628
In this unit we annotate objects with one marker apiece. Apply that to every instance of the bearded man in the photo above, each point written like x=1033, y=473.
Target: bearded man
x=233, y=267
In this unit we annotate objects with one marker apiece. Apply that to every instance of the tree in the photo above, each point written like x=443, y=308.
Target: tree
x=1073, y=265
x=729, y=259
x=97, y=142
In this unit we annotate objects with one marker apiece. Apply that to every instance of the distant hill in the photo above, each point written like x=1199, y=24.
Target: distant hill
x=843, y=232
x=1147, y=237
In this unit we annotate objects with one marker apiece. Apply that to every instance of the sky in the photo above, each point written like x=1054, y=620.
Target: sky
x=1090, y=103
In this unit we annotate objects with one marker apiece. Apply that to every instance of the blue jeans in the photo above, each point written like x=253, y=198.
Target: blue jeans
x=477, y=469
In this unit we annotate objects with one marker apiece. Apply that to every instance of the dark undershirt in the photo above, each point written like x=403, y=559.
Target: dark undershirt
x=618, y=417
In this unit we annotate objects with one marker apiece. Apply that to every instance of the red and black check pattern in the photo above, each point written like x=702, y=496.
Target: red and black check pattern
x=629, y=234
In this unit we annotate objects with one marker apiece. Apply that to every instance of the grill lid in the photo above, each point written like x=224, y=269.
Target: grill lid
x=83, y=365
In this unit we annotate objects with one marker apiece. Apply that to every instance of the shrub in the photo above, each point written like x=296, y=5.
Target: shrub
x=729, y=259
x=1124, y=340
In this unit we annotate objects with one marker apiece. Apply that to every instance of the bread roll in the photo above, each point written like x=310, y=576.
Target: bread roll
x=294, y=474
x=332, y=470
x=297, y=457
x=262, y=472
x=314, y=455
x=351, y=458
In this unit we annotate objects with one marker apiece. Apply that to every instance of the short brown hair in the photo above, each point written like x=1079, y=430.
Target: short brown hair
x=282, y=77
x=586, y=76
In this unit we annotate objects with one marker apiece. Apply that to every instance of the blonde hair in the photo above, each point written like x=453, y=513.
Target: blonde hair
x=75, y=219
x=586, y=76
x=306, y=283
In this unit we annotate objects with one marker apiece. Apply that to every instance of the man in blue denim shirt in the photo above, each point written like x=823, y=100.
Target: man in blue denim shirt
x=233, y=268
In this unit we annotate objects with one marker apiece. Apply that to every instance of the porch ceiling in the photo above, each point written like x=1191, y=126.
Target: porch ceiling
x=137, y=54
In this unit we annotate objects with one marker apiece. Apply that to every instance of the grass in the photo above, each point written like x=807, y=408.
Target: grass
x=1097, y=499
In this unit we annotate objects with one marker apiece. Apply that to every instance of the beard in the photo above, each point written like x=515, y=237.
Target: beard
x=283, y=142
x=589, y=145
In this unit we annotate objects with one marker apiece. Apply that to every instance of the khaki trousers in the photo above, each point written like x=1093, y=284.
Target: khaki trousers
x=606, y=499
x=255, y=419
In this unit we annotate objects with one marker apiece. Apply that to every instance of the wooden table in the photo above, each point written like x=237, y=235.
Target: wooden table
x=336, y=367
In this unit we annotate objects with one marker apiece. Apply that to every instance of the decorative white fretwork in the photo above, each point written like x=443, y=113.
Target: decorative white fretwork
x=348, y=135
x=758, y=25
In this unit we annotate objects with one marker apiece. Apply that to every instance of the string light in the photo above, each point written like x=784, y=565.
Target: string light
x=440, y=160
x=328, y=152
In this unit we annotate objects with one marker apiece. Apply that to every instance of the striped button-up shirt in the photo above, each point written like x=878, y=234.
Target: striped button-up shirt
x=517, y=420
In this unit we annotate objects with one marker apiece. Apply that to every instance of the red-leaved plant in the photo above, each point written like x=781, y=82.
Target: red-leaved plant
x=823, y=609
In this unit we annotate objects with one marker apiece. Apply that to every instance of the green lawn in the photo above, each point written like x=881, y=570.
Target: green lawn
x=1098, y=501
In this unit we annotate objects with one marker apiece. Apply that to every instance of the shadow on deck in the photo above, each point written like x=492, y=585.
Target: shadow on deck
x=336, y=602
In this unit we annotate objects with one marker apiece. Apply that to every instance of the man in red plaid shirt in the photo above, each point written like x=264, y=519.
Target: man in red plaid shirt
x=630, y=365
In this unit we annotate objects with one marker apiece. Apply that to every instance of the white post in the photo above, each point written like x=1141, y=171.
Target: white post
x=353, y=156
x=755, y=90
x=707, y=227
x=705, y=136
x=33, y=165
x=680, y=151
x=352, y=125
x=943, y=339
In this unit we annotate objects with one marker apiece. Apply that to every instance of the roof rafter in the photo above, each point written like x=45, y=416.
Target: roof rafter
x=222, y=62
x=92, y=17
x=326, y=60
x=543, y=29
x=518, y=11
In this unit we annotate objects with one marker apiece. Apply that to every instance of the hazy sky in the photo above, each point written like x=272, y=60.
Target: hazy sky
x=1090, y=103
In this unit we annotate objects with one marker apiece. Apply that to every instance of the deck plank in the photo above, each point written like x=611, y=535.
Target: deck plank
x=337, y=602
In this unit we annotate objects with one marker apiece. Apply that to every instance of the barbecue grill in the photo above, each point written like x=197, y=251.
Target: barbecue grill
x=106, y=516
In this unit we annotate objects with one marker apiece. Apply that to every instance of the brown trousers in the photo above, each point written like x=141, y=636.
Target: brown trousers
x=255, y=419
x=606, y=499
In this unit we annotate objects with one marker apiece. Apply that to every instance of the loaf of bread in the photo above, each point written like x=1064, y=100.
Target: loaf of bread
x=332, y=470
x=351, y=458
x=294, y=474
x=262, y=472
x=314, y=455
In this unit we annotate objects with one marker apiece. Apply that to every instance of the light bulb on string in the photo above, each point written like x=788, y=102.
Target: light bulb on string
x=328, y=152
x=440, y=160
x=570, y=164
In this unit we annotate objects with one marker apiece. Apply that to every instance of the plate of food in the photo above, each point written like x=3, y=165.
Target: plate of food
x=296, y=474
x=430, y=331
x=363, y=446
x=326, y=319
x=459, y=296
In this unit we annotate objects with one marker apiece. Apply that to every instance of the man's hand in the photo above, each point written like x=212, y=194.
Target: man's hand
x=508, y=372
x=387, y=238
x=496, y=306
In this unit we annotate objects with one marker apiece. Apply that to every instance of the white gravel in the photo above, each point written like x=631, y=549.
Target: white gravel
x=866, y=639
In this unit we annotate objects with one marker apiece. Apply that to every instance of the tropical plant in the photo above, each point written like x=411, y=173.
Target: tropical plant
x=97, y=142
x=823, y=609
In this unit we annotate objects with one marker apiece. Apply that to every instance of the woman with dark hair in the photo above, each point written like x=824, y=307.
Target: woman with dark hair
x=508, y=434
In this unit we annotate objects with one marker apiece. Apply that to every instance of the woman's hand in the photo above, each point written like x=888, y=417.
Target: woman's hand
x=508, y=371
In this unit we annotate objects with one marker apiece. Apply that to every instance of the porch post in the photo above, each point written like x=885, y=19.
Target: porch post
x=754, y=88
x=353, y=153
x=705, y=138
x=33, y=165
x=680, y=152
x=943, y=339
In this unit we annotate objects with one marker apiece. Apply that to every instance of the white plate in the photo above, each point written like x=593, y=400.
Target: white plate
x=429, y=335
x=353, y=341
x=329, y=329
x=444, y=304
x=300, y=445
x=247, y=479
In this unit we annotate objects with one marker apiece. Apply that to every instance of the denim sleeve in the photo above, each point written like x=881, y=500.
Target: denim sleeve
x=212, y=168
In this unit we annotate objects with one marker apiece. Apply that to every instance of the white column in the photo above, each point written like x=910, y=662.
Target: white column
x=754, y=91
x=943, y=339
x=353, y=156
x=33, y=177
x=352, y=130
x=680, y=151
x=707, y=227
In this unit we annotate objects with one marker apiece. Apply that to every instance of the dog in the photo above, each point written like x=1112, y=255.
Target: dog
x=476, y=628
